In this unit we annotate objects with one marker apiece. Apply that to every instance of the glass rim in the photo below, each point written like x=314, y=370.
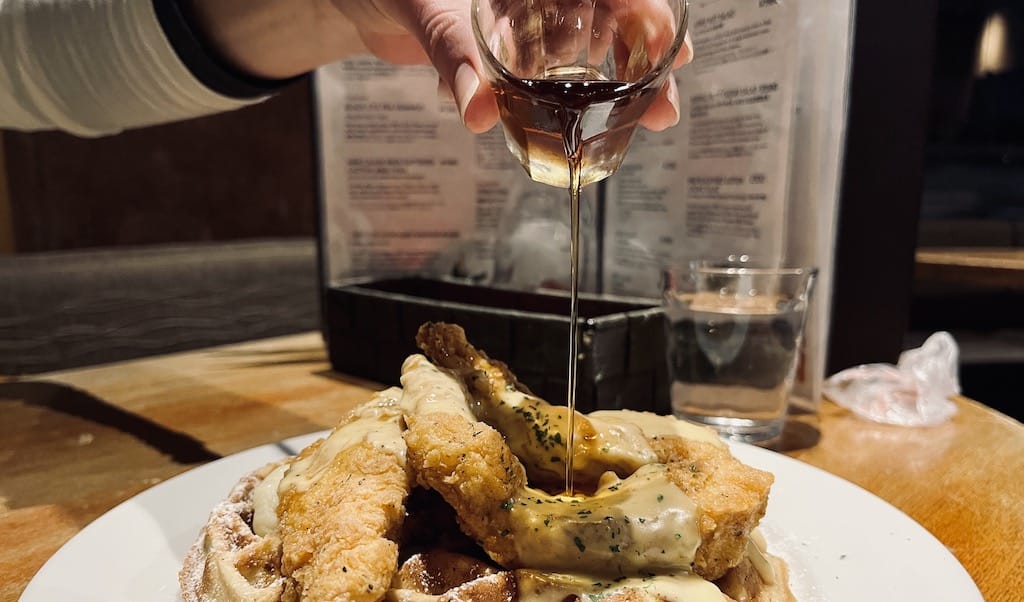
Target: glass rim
x=729, y=270
x=660, y=70
x=754, y=271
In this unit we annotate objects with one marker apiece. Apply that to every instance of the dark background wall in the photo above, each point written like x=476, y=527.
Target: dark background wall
x=245, y=174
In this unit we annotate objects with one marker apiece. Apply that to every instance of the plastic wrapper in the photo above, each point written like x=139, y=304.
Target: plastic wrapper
x=914, y=392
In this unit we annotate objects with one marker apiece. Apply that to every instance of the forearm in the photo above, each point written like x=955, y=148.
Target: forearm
x=97, y=67
x=100, y=66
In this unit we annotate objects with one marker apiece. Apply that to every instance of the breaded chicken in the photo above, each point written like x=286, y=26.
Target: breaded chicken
x=471, y=467
x=341, y=509
x=638, y=525
x=536, y=431
x=731, y=498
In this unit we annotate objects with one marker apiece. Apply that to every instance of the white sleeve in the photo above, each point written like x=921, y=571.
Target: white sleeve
x=94, y=67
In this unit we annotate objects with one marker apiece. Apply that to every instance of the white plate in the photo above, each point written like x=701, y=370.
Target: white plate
x=841, y=542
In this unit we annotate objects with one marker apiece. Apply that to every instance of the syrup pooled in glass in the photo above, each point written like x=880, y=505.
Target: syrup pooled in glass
x=534, y=115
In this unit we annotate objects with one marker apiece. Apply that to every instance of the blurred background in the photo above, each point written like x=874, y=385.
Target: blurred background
x=204, y=232
x=973, y=196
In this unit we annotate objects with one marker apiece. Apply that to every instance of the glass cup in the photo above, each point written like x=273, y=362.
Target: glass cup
x=575, y=76
x=735, y=335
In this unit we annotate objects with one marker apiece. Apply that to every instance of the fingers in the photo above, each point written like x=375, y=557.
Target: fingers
x=444, y=32
x=476, y=102
x=664, y=110
x=685, y=55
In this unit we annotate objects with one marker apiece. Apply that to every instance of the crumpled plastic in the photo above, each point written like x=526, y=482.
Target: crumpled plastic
x=914, y=392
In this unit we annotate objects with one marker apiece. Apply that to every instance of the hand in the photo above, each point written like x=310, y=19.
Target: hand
x=434, y=32
x=282, y=38
x=438, y=32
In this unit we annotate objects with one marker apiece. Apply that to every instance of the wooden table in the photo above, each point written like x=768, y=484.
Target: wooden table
x=74, y=444
x=988, y=267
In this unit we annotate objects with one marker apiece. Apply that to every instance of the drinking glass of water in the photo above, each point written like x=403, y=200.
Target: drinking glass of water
x=735, y=336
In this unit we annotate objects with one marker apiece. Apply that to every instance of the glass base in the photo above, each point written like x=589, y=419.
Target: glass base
x=757, y=432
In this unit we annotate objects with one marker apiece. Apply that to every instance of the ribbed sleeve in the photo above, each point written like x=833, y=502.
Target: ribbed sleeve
x=94, y=67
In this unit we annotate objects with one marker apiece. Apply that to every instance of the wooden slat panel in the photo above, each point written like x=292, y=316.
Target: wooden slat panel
x=244, y=174
x=6, y=225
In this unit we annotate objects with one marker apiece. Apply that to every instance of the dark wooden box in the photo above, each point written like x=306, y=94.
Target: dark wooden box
x=370, y=328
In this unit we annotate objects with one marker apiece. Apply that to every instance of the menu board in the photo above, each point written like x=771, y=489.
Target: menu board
x=406, y=189
x=716, y=184
x=751, y=168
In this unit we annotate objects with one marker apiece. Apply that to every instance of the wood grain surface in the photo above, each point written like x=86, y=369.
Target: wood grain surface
x=988, y=267
x=75, y=444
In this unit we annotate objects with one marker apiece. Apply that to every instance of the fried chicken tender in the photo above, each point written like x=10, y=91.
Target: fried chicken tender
x=632, y=526
x=731, y=498
x=536, y=431
x=471, y=467
x=341, y=508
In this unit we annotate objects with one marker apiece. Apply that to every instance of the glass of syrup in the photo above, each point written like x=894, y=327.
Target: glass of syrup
x=573, y=77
